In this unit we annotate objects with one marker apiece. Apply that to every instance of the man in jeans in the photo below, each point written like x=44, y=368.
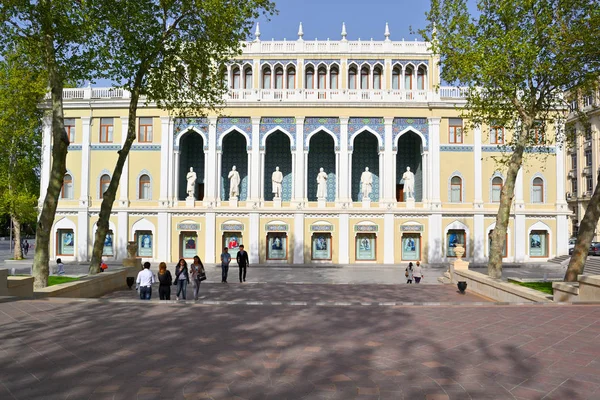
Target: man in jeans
x=225, y=260
x=243, y=262
x=144, y=282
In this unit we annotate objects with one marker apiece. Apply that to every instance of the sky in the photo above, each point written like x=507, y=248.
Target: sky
x=365, y=19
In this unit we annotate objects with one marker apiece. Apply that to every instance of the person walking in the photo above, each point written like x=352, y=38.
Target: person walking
x=243, y=262
x=418, y=272
x=26, y=247
x=197, y=271
x=225, y=260
x=182, y=277
x=165, y=281
x=409, y=273
x=144, y=281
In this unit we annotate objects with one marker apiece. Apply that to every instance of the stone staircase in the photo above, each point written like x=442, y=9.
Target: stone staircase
x=592, y=266
x=559, y=259
x=446, y=278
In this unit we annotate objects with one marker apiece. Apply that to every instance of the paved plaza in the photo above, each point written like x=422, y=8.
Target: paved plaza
x=299, y=341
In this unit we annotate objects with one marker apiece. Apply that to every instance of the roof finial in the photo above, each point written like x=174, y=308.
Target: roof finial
x=300, y=32
x=344, y=34
x=257, y=32
x=387, y=32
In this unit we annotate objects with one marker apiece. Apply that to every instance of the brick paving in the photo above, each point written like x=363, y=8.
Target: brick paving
x=112, y=349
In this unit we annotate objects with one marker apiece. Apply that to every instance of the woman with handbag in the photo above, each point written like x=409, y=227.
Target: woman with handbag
x=166, y=280
x=198, y=275
x=409, y=273
x=182, y=278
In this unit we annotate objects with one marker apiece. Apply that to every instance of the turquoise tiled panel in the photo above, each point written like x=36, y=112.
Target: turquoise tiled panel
x=234, y=153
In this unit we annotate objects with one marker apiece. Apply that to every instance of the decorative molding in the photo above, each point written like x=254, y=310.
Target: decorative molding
x=288, y=124
x=187, y=214
x=145, y=147
x=316, y=62
x=404, y=216
x=232, y=227
x=240, y=63
x=284, y=63
x=75, y=147
x=541, y=150
x=401, y=125
x=104, y=147
x=187, y=226
x=311, y=124
x=456, y=148
x=67, y=213
x=358, y=124
x=277, y=227
x=321, y=228
x=415, y=63
x=224, y=124
x=371, y=62
x=233, y=215
x=366, y=216
x=366, y=228
x=411, y=228
x=334, y=216
x=501, y=148
x=455, y=216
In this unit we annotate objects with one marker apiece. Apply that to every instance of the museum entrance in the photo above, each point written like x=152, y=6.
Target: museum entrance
x=191, y=155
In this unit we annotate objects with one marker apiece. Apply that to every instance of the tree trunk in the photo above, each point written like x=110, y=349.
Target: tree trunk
x=18, y=250
x=108, y=197
x=60, y=144
x=587, y=227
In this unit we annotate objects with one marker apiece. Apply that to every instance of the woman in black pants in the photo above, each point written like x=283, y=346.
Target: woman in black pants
x=166, y=280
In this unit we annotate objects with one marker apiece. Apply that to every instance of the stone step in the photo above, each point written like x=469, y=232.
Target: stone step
x=444, y=280
x=559, y=259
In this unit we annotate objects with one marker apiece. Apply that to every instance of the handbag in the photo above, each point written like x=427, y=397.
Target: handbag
x=406, y=273
x=202, y=276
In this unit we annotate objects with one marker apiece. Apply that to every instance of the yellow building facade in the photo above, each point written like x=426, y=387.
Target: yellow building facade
x=299, y=107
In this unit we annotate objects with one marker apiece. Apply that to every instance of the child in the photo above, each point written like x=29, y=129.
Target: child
x=225, y=260
x=60, y=268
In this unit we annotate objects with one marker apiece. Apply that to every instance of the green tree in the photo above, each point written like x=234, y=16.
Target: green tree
x=60, y=38
x=21, y=91
x=170, y=53
x=516, y=57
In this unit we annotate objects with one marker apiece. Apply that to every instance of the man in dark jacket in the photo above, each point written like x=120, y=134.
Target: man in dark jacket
x=243, y=262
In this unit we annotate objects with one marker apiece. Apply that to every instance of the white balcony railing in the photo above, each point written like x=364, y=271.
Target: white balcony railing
x=336, y=47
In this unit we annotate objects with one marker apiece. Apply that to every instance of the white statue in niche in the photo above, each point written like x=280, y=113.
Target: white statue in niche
x=277, y=181
x=191, y=183
x=366, y=184
x=321, y=185
x=234, y=183
x=409, y=184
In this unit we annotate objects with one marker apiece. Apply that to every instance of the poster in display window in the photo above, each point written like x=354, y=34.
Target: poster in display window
x=537, y=244
x=66, y=240
x=232, y=240
x=365, y=247
x=453, y=238
x=321, y=246
x=411, y=247
x=108, y=245
x=145, y=244
x=276, y=247
x=189, y=242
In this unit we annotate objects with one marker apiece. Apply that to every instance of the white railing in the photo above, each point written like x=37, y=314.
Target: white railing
x=107, y=93
x=453, y=92
x=336, y=46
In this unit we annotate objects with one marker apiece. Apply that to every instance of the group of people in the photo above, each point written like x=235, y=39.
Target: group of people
x=414, y=273
x=184, y=274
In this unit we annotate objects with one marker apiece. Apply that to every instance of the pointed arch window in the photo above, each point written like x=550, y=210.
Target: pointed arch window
x=396, y=73
x=408, y=78
x=278, y=78
x=333, y=78
x=310, y=75
x=364, y=78
x=322, y=80
x=145, y=187
x=496, y=189
x=377, y=78
x=421, y=78
x=456, y=190
x=104, y=183
x=537, y=190
x=248, y=78
x=236, y=81
x=352, y=78
x=266, y=81
x=291, y=78
x=67, y=188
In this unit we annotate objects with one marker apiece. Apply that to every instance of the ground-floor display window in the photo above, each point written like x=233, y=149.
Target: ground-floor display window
x=276, y=246
x=65, y=241
x=321, y=246
x=504, y=249
x=365, y=247
x=108, y=249
x=453, y=238
x=145, y=243
x=189, y=244
x=411, y=247
x=233, y=241
x=538, y=244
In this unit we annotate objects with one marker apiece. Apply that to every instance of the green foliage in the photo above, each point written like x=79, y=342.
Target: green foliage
x=545, y=287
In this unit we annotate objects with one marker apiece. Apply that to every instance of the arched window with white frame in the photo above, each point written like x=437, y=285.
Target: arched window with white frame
x=309, y=80
x=421, y=77
x=145, y=187
x=408, y=78
x=396, y=74
x=456, y=189
x=278, y=78
x=364, y=78
x=322, y=78
x=266, y=77
x=333, y=77
x=537, y=190
x=67, y=187
x=496, y=189
x=377, y=74
x=352, y=78
x=291, y=78
x=236, y=78
x=248, y=77
x=104, y=183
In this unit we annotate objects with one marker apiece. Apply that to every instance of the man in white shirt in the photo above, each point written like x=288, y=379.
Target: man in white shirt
x=144, y=282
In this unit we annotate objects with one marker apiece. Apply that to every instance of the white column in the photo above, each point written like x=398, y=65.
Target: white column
x=345, y=160
x=425, y=183
x=343, y=241
x=254, y=238
x=85, y=163
x=162, y=236
x=478, y=239
x=521, y=239
x=435, y=240
x=337, y=174
x=382, y=178
x=561, y=203
x=165, y=137
x=389, y=237
x=82, y=235
x=170, y=238
x=262, y=177
x=434, y=150
x=209, y=237
x=124, y=181
x=478, y=200
x=176, y=176
x=304, y=183
x=389, y=184
x=210, y=193
x=298, y=257
x=171, y=162
x=46, y=156
x=122, y=234
x=255, y=167
x=299, y=176
x=219, y=172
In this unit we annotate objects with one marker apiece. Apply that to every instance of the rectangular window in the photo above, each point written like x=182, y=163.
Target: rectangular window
x=411, y=247
x=276, y=246
x=189, y=244
x=106, y=130
x=537, y=193
x=588, y=99
x=321, y=246
x=588, y=158
x=588, y=133
x=365, y=247
x=574, y=105
x=145, y=135
x=145, y=243
x=455, y=130
x=107, y=250
x=497, y=135
x=538, y=133
x=232, y=240
x=291, y=80
x=574, y=186
x=538, y=244
x=453, y=238
x=65, y=242
x=395, y=81
x=496, y=192
x=70, y=128
x=589, y=183
x=574, y=161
